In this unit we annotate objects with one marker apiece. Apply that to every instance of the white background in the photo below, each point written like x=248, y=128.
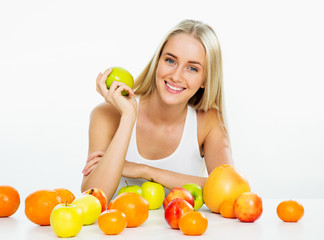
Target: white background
x=52, y=51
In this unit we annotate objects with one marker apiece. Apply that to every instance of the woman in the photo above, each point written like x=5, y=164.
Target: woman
x=171, y=126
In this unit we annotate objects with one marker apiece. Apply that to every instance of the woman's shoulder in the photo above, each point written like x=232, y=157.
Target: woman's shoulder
x=105, y=112
x=104, y=109
x=208, y=121
x=208, y=118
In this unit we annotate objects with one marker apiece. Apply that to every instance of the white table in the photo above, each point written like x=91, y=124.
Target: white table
x=268, y=226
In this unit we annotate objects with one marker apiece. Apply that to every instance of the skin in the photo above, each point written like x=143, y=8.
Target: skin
x=180, y=66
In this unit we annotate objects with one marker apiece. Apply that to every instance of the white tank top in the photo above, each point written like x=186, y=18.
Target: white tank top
x=185, y=159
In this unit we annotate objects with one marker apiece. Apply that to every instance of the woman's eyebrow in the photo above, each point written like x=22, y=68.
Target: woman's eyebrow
x=192, y=62
x=170, y=54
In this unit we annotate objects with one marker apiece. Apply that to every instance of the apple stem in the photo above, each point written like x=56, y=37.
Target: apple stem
x=66, y=203
x=91, y=191
x=126, y=183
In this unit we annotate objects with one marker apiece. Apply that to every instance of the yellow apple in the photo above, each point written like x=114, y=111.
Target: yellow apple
x=121, y=75
x=91, y=207
x=66, y=220
x=154, y=194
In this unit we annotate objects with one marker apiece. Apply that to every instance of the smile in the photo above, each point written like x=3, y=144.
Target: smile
x=173, y=88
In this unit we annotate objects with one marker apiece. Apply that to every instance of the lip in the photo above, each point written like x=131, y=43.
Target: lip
x=168, y=86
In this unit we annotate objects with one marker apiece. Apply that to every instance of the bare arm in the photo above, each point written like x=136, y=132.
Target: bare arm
x=107, y=172
x=168, y=179
x=216, y=145
x=109, y=132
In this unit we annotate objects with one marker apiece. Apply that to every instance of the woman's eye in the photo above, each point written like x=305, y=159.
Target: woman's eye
x=169, y=60
x=193, y=69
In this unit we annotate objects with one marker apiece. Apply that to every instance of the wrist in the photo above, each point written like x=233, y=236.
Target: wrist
x=147, y=172
x=128, y=119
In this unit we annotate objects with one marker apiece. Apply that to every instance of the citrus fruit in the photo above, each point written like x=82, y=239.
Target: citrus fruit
x=112, y=222
x=39, y=205
x=66, y=195
x=175, y=210
x=290, y=211
x=135, y=207
x=224, y=182
x=226, y=208
x=9, y=201
x=193, y=223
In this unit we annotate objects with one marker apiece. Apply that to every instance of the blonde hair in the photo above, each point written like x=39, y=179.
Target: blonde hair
x=209, y=97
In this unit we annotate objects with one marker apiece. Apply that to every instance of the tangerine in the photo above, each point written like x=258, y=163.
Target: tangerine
x=226, y=208
x=290, y=211
x=112, y=221
x=66, y=195
x=39, y=205
x=9, y=201
x=193, y=223
x=135, y=207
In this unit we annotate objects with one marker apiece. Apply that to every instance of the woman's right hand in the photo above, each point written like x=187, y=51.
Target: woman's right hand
x=125, y=105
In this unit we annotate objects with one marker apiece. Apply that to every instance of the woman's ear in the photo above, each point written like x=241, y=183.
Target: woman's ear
x=202, y=85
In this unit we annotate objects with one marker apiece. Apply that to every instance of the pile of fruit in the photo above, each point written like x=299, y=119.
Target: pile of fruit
x=226, y=191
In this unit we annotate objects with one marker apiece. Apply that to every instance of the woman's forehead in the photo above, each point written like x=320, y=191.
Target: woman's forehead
x=186, y=47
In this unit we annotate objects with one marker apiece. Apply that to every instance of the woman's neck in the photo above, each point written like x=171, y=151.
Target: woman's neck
x=160, y=113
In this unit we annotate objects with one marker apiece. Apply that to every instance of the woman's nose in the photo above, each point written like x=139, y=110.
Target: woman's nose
x=176, y=74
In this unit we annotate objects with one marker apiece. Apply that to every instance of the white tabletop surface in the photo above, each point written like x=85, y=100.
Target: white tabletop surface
x=268, y=226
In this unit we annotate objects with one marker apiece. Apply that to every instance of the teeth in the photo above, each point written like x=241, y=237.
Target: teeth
x=174, y=88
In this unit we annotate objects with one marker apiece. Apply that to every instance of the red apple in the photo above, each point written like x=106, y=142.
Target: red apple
x=175, y=210
x=248, y=207
x=179, y=192
x=98, y=193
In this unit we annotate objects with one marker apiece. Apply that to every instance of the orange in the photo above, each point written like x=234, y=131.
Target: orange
x=135, y=207
x=193, y=223
x=66, y=195
x=9, y=201
x=224, y=182
x=39, y=205
x=112, y=222
x=290, y=211
x=226, y=208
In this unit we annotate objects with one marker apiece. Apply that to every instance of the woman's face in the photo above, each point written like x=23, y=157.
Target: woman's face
x=180, y=70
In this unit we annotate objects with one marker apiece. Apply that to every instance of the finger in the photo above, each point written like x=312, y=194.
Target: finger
x=101, y=82
x=108, y=71
x=88, y=170
x=91, y=163
x=105, y=76
x=95, y=154
x=97, y=81
x=122, y=89
x=118, y=87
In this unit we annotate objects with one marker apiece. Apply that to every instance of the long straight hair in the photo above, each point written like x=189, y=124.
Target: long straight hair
x=209, y=97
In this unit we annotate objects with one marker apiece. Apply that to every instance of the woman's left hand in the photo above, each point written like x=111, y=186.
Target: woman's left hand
x=133, y=170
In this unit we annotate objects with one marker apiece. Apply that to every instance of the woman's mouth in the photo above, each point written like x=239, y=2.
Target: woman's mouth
x=172, y=88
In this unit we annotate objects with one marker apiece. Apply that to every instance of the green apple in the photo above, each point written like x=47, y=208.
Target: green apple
x=131, y=188
x=121, y=75
x=197, y=194
x=154, y=194
x=66, y=220
x=91, y=207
